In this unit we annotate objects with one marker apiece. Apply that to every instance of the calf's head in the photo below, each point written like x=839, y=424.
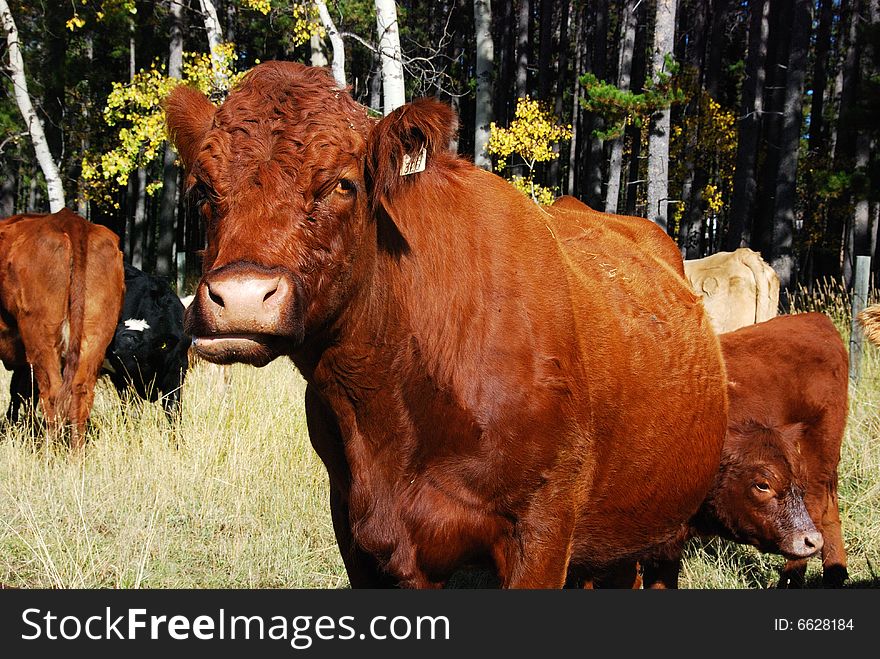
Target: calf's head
x=759, y=494
x=291, y=177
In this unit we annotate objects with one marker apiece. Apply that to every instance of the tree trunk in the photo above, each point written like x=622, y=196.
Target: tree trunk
x=336, y=42
x=694, y=26
x=392, y=64
x=505, y=57
x=376, y=88
x=843, y=55
x=820, y=75
x=545, y=50
x=522, y=48
x=31, y=120
x=317, y=56
x=591, y=164
x=82, y=203
x=215, y=38
x=760, y=234
x=749, y=129
x=781, y=255
x=139, y=227
x=859, y=243
x=555, y=179
x=624, y=71
x=8, y=188
x=817, y=249
x=575, y=102
x=167, y=208
x=658, y=136
x=485, y=64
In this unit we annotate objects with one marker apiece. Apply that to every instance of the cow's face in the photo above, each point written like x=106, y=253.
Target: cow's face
x=288, y=175
x=143, y=353
x=759, y=494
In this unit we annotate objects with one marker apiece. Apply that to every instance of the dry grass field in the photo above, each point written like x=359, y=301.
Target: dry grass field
x=236, y=497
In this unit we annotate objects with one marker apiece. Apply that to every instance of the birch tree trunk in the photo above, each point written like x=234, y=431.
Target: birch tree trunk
x=338, y=66
x=31, y=120
x=215, y=38
x=624, y=71
x=658, y=136
x=168, y=204
x=575, y=101
x=522, y=48
x=485, y=65
x=392, y=63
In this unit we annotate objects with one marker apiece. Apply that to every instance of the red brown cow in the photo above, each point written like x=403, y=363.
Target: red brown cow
x=483, y=381
x=777, y=486
x=61, y=290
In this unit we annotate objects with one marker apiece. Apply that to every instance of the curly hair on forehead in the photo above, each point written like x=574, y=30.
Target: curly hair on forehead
x=293, y=91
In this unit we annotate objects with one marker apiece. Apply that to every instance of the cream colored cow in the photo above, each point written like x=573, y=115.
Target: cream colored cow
x=738, y=288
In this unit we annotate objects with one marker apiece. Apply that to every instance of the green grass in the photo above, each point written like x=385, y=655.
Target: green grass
x=237, y=498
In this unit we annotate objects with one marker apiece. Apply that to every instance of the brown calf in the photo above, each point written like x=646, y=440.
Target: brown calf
x=777, y=485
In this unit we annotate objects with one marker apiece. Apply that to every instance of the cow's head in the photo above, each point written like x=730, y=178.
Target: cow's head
x=293, y=180
x=149, y=347
x=759, y=493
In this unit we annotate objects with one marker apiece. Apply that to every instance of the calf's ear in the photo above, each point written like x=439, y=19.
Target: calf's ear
x=404, y=144
x=188, y=116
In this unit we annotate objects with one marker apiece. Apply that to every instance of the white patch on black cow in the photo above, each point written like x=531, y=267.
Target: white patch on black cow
x=136, y=324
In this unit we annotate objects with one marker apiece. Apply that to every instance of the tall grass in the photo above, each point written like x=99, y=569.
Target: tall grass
x=236, y=497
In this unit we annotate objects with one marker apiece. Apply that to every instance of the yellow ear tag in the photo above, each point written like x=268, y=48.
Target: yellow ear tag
x=414, y=165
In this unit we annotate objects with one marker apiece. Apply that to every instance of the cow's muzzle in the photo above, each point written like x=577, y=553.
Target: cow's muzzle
x=244, y=313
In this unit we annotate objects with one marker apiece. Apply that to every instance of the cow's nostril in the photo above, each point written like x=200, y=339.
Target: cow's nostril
x=215, y=298
x=813, y=540
x=270, y=293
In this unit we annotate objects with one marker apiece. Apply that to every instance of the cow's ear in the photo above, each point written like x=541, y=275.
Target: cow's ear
x=188, y=115
x=404, y=144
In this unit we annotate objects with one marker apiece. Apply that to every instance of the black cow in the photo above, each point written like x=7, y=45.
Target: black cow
x=148, y=353
x=149, y=349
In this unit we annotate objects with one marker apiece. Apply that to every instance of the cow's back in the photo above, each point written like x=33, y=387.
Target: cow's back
x=648, y=236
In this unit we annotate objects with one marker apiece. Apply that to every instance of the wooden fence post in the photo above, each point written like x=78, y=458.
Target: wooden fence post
x=859, y=301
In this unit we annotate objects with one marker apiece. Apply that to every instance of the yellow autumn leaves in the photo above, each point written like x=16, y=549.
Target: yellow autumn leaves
x=532, y=135
x=135, y=108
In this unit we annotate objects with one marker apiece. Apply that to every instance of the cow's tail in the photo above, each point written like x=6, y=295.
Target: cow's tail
x=76, y=305
x=869, y=319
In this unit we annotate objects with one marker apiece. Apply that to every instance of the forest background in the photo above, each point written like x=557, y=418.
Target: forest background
x=730, y=123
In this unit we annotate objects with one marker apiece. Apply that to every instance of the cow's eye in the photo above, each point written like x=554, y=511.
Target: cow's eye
x=762, y=486
x=344, y=186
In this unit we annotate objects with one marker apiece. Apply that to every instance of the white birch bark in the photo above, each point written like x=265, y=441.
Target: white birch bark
x=624, y=72
x=392, y=62
x=215, y=38
x=31, y=120
x=338, y=66
x=658, y=136
x=485, y=65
